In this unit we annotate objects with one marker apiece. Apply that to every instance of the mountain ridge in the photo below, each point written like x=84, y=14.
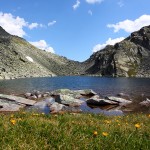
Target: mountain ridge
x=128, y=58
x=16, y=55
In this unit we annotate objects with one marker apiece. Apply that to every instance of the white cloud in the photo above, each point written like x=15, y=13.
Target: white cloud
x=52, y=23
x=76, y=5
x=121, y=3
x=43, y=45
x=131, y=26
x=13, y=25
x=108, y=42
x=93, y=1
x=35, y=25
x=90, y=12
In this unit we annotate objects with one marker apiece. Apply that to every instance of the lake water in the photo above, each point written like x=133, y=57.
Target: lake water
x=102, y=85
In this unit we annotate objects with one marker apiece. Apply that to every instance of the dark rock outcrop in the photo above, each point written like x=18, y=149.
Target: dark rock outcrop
x=129, y=58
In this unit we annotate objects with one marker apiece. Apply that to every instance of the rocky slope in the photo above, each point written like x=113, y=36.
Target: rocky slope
x=129, y=58
x=19, y=59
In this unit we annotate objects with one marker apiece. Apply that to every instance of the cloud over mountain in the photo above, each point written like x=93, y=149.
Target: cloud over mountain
x=131, y=25
x=43, y=45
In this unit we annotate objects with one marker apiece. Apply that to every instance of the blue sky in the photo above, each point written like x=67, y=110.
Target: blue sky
x=73, y=28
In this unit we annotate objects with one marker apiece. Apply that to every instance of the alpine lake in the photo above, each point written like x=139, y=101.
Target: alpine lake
x=138, y=89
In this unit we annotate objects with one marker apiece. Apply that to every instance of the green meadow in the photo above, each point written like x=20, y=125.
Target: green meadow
x=70, y=131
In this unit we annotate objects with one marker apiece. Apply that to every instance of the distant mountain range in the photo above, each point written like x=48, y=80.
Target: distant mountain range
x=129, y=58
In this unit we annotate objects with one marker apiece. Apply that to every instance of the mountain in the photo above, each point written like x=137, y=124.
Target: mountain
x=128, y=58
x=20, y=59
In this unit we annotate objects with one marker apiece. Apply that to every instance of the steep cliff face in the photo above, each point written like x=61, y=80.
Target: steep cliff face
x=129, y=58
x=19, y=59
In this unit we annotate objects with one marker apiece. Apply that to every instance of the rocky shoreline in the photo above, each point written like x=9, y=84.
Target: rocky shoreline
x=66, y=100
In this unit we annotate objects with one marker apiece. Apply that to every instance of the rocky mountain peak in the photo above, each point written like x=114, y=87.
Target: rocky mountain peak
x=3, y=33
x=141, y=37
x=129, y=58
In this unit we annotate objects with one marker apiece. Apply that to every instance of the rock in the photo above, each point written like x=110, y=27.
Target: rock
x=7, y=106
x=56, y=107
x=119, y=100
x=33, y=97
x=68, y=100
x=36, y=93
x=16, y=99
x=87, y=92
x=49, y=101
x=74, y=93
x=42, y=106
x=45, y=95
x=39, y=96
x=95, y=100
x=27, y=95
x=145, y=103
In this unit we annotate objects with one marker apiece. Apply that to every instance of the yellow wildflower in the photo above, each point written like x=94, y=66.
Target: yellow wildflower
x=104, y=133
x=149, y=115
x=137, y=125
x=13, y=121
x=107, y=121
x=95, y=133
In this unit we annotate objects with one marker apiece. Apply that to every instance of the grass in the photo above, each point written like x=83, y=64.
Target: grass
x=29, y=131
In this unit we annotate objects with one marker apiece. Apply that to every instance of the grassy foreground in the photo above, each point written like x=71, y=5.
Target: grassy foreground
x=28, y=131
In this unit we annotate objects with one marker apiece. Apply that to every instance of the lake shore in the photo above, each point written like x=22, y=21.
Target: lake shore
x=75, y=101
